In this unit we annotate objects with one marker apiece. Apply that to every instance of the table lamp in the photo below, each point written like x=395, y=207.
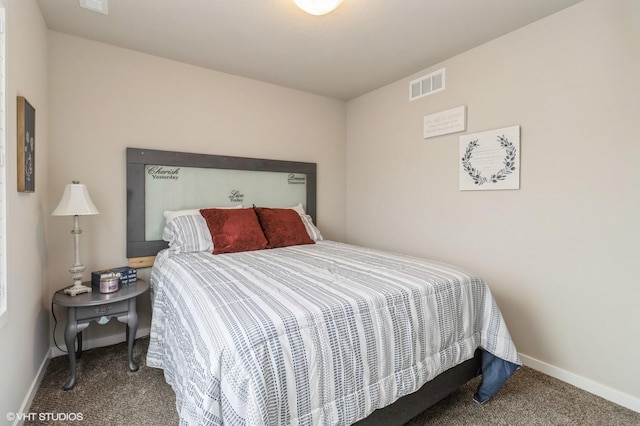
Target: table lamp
x=76, y=202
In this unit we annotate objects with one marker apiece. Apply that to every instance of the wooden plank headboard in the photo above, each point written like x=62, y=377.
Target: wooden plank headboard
x=167, y=180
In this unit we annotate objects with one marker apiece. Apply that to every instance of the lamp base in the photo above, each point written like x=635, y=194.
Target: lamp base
x=77, y=289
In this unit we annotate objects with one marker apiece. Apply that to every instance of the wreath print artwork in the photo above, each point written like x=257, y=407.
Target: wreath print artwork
x=508, y=162
x=490, y=160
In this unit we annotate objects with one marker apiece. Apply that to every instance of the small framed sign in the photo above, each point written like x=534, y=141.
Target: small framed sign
x=26, y=146
x=445, y=122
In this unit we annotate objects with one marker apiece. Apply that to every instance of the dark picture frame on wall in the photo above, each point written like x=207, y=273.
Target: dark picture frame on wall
x=26, y=146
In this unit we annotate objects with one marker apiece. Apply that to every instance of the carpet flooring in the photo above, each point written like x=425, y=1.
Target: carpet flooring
x=106, y=393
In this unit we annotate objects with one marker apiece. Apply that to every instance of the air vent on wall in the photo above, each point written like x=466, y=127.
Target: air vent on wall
x=100, y=6
x=427, y=84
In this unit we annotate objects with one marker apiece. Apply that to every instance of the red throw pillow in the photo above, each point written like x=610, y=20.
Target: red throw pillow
x=282, y=227
x=234, y=230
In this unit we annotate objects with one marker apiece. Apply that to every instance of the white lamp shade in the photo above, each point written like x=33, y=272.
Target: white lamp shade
x=318, y=7
x=75, y=201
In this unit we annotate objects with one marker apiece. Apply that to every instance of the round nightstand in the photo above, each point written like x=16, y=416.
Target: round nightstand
x=100, y=307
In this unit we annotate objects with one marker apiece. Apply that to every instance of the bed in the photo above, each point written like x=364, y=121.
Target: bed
x=288, y=328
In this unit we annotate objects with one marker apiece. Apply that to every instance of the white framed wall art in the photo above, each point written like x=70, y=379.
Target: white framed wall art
x=490, y=160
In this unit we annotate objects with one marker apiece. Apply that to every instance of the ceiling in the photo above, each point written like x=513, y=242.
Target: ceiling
x=361, y=46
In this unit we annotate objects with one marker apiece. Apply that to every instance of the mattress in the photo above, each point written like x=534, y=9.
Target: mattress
x=319, y=334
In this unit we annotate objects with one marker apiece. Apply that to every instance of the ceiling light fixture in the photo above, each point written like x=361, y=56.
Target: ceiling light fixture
x=318, y=7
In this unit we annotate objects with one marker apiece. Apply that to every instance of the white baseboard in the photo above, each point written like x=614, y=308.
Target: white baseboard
x=26, y=404
x=101, y=342
x=583, y=383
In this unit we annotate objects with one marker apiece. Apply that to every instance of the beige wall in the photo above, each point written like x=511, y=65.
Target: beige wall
x=24, y=340
x=104, y=99
x=561, y=254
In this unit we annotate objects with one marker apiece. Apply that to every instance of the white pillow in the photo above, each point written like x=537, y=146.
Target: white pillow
x=313, y=232
x=170, y=214
x=188, y=233
x=299, y=209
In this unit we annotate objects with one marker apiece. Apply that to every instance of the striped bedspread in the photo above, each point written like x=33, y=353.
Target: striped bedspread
x=318, y=334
